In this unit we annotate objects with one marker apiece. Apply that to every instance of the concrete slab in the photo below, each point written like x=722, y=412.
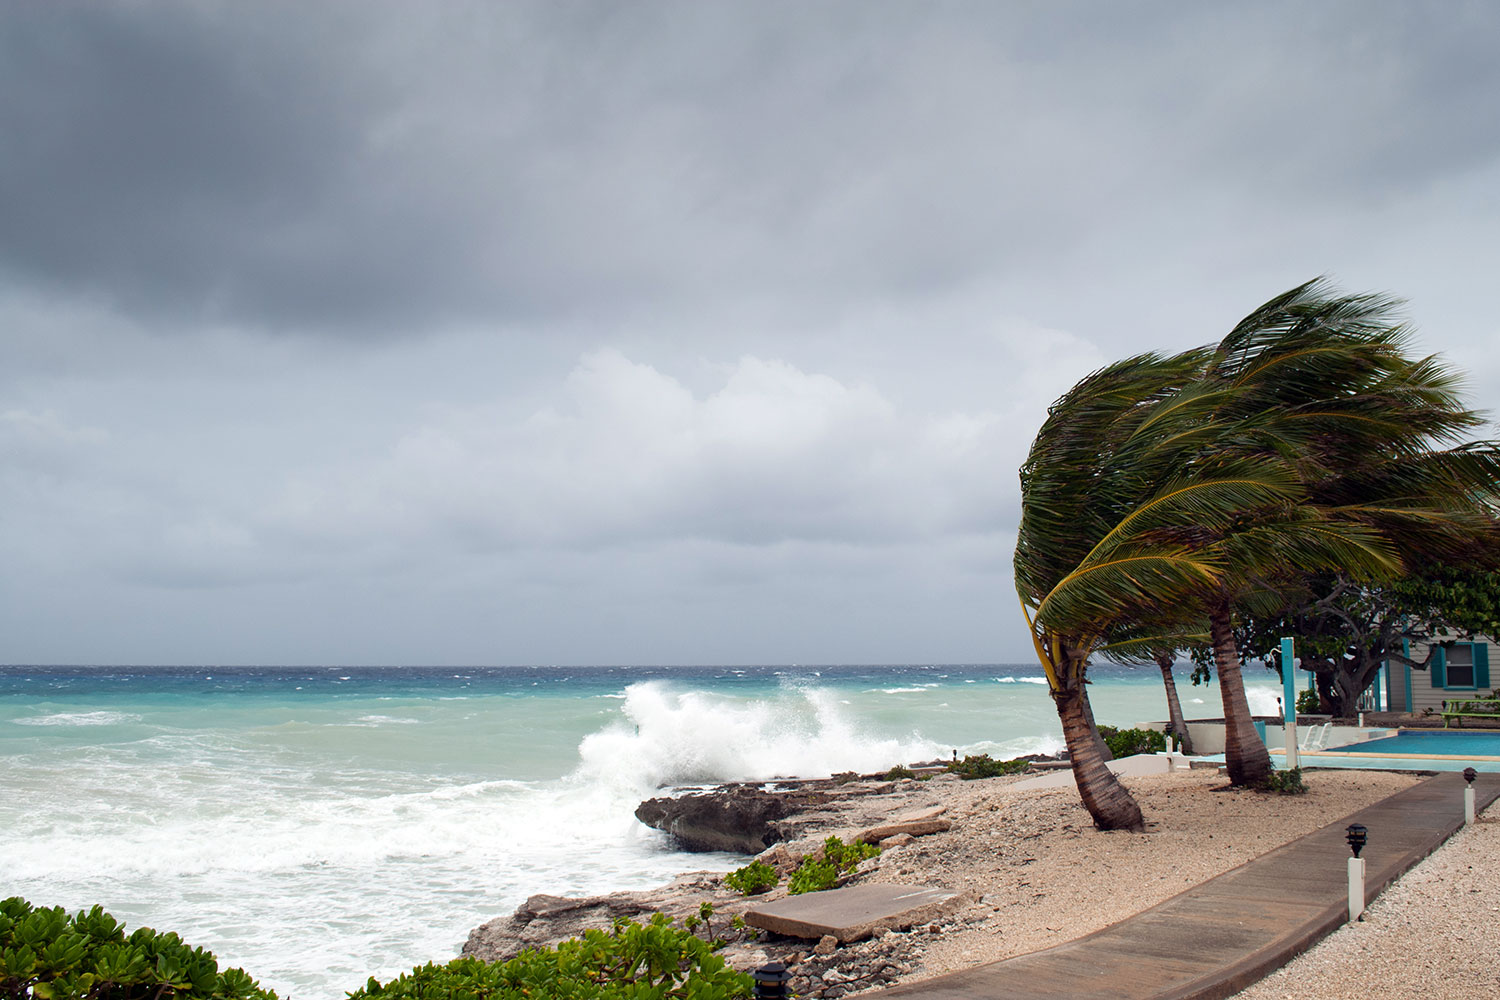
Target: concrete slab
x=853, y=913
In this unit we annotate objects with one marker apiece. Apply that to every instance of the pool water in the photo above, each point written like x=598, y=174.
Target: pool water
x=1424, y=743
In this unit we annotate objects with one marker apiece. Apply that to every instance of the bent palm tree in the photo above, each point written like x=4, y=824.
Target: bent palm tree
x=1324, y=382
x=1169, y=488
x=1075, y=483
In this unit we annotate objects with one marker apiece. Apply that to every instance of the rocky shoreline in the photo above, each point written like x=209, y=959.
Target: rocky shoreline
x=1027, y=866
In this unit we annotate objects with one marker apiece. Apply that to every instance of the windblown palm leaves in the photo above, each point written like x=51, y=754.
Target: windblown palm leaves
x=1164, y=490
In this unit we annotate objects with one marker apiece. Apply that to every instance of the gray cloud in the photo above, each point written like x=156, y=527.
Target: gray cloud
x=669, y=332
x=384, y=167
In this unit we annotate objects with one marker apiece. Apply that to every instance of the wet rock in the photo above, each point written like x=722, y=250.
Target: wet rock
x=738, y=819
x=748, y=819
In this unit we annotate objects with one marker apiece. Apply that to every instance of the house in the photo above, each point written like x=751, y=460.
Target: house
x=1459, y=670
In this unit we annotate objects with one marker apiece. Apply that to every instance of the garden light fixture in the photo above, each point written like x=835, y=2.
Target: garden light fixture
x=770, y=981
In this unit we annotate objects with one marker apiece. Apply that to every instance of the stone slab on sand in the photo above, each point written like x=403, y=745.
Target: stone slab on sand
x=853, y=913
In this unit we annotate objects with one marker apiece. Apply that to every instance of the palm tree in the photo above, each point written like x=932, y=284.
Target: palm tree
x=1204, y=481
x=1324, y=382
x=1077, y=482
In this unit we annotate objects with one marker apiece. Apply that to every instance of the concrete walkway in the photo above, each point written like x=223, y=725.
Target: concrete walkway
x=1219, y=937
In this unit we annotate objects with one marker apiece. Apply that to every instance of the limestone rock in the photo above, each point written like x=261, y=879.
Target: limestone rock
x=739, y=819
x=915, y=824
x=779, y=858
x=747, y=819
x=545, y=920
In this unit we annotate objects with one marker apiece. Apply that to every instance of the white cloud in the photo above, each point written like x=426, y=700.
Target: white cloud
x=627, y=453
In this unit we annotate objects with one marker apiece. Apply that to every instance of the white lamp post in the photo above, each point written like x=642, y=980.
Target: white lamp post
x=1357, y=835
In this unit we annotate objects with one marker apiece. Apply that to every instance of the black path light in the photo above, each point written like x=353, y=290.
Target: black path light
x=1469, y=775
x=770, y=981
x=1357, y=836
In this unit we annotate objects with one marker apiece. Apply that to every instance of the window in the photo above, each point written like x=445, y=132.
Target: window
x=1460, y=664
x=1463, y=666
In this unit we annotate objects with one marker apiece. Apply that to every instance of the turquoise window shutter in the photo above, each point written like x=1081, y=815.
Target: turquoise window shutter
x=1440, y=668
x=1482, y=665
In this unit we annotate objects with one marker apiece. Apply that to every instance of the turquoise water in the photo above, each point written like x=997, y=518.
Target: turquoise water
x=1420, y=743
x=320, y=825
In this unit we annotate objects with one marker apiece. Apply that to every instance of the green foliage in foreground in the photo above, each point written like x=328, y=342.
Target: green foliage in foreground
x=985, y=766
x=650, y=961
x=47, y=955
x=755, y=877
x=1287, y=782
x=901, y=771
x=1308, y=703
x=1129, y=742
x=815, y=874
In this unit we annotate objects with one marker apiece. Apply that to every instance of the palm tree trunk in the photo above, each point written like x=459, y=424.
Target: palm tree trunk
x=1174, y=706
x=1105, y=753
x=1245, y=755
x=1103, y=796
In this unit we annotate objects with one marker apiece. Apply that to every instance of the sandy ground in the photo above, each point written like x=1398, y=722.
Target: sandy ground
x=1428, y=935
x=1039, y=874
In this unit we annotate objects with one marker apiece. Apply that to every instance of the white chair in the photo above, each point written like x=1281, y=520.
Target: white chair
x=1316, y=738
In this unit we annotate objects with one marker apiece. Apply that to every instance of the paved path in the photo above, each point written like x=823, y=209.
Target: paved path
x=1219, y=937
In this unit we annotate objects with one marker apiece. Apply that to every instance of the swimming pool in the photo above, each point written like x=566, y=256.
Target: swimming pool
x=1439, y=743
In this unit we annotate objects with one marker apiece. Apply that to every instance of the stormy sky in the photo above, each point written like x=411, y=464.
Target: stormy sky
x=654, y=333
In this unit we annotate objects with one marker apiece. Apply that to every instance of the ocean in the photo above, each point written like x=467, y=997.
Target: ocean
x=319, y=825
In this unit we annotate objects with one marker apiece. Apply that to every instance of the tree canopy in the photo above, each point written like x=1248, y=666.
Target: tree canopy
x=1166, y=495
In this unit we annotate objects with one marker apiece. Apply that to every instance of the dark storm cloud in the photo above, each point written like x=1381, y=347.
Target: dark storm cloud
x=674, y=332
x=399, y=167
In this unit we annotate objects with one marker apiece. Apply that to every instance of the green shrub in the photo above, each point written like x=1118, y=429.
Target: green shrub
x=985, y=766
x=755, y=877
x=1308, y=702
x=1286, y=782
x=47, y=955
x=1129, y=742
x=815, y=874
x=812, y=875
x=898, y=772
x=631, y=962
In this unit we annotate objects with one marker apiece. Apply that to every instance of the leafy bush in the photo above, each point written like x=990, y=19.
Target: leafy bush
x=47, y=955
x=985, y=766
x=755, y=877
x=1286, y=782
x=1309, y=702
x=812, y=875
x=636, y=961
x=898, y=772
x=1129, y=742
x=815, y=874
